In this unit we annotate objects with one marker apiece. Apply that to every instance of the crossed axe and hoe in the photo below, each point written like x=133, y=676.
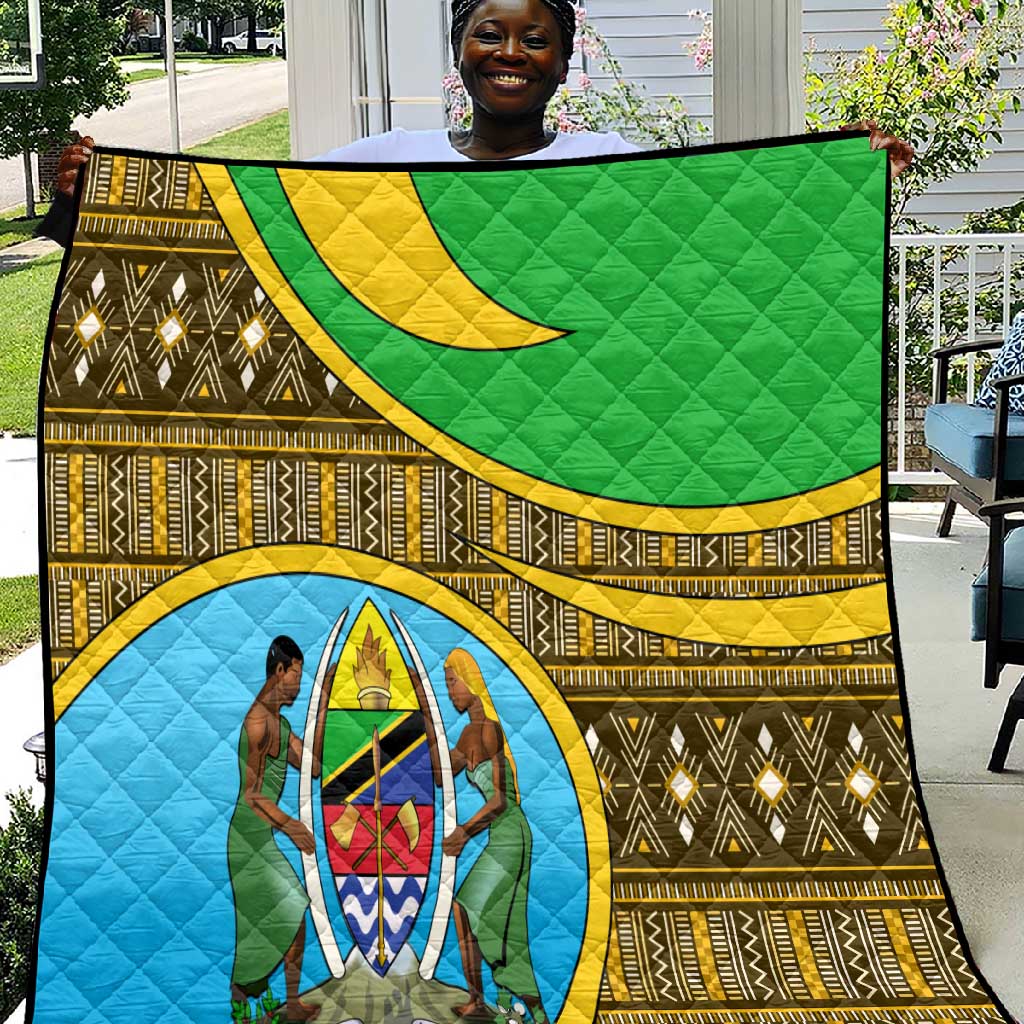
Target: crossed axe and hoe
x=344, y=830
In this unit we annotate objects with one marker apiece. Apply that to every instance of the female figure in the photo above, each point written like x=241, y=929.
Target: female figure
x=490, y=905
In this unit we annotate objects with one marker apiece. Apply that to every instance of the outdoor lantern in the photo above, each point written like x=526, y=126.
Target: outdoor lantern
x=37, y=745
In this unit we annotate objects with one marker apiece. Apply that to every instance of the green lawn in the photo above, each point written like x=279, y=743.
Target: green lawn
x=26, y=294
x=147, y=73
x=25, y=297
x=210, y=58
x=15, y=227
x=19, y=615
x=266, y=139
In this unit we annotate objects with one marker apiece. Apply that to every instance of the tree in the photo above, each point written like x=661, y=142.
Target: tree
x=936, y=85
x=255, y=9
x=21, y=851
x=220, y=12
x=81, y=77
x=217, y=12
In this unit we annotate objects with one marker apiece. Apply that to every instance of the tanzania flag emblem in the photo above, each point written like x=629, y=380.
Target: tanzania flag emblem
x=377, y=790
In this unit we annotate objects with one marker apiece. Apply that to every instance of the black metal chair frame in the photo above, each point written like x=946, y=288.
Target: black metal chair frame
x=992, y=499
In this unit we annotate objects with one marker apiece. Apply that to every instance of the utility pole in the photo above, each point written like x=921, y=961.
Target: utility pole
x=172, y=76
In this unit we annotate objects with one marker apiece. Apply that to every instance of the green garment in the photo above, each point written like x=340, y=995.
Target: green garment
x=494, y=892
x=270, y=901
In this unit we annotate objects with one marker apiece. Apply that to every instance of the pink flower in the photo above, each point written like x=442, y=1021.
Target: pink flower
x=931, y=36
x=581, y=17
x=585, y=82
x=703, y=54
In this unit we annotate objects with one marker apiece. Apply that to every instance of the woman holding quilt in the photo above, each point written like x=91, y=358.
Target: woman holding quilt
x=512, y=56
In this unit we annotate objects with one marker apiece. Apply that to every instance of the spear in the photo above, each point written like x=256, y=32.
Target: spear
x=310, y=867
x=381, y=955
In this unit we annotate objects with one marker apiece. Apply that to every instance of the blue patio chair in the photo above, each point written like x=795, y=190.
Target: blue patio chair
x=982, y=450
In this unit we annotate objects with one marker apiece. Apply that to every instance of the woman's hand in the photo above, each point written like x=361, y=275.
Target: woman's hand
x=901, y=154
x=300, y=836
x=454, y=844
x=70, y=160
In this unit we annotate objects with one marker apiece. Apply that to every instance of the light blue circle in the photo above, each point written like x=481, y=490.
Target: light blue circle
x=138, y=915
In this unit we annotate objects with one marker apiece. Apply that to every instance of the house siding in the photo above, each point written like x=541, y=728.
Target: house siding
x=652, y=50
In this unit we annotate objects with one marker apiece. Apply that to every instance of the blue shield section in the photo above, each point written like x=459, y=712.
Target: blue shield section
x=403, y=896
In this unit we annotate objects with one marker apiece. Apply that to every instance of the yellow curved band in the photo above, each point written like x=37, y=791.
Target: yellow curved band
x=820, y=503
x=375, y=237
x=800, y=620
x=581, y=1000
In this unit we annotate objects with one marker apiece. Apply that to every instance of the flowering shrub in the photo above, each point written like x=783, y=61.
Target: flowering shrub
x=703, y=50
x=937, y=85
x=621, y=106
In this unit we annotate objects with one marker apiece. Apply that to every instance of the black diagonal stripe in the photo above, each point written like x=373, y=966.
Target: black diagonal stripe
x=395, y=743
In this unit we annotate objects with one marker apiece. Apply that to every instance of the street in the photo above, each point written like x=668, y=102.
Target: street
x=255, y=90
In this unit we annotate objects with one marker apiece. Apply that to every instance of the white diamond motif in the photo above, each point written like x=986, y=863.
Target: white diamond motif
x=171, y=330
x=871, y=828
x=855, y=739
x=686, y=830
x=253, y=334
x=163, y=373
x=258, y=295
x=590, y=737
x=778, y=829
x=332, y=382
x=89, y=326
x=678, y=742
x=98, y=284
x=178, y=288
x=82, y=369
x=682, y=784
x=862, y=783
x=770, y=784
x=764, y=739
x=247, y=376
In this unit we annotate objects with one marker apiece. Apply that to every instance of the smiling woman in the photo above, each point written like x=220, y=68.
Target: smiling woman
x=512, y=56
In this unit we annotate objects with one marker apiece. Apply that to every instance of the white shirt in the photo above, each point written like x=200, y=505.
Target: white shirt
x=404, y=147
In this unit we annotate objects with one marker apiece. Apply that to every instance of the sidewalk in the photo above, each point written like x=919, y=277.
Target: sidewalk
x=19, y=554
x=13, y=257
x=21, y=681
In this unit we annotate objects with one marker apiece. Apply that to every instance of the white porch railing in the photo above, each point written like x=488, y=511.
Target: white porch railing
x=982, y=269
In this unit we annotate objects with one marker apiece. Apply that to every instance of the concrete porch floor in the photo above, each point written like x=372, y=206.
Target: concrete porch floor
x=977, y=817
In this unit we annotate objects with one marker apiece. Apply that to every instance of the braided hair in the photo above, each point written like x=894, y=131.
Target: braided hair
x=564, y=12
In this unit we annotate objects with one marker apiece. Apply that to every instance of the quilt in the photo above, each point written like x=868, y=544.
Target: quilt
x=468, y=599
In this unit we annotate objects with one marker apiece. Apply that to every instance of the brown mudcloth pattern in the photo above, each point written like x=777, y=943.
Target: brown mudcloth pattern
x=769, y=859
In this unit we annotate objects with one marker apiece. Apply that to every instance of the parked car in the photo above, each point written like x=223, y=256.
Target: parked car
x=266, y=40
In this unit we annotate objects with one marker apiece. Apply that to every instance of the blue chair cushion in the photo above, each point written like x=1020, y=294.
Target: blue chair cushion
x=1013, y=592
x=963, y=435
x=1008, y=361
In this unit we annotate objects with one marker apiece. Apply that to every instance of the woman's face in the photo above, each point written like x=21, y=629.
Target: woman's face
x=511, y=59
x=459, y=693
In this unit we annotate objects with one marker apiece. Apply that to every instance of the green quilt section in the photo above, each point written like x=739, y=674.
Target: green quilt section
x=726, y=311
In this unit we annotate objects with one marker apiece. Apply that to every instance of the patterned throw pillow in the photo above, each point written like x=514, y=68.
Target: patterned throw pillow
x=1010, y=360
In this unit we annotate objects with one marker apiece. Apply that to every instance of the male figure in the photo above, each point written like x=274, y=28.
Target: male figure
x=270, y=901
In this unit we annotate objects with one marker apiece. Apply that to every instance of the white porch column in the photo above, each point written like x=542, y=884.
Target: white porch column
x=758, y=69
x=319, y=75
x=417, y=60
